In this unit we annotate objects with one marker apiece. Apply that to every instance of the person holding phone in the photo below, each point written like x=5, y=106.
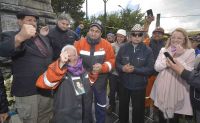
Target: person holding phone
x=192, y=78
x=170, y=92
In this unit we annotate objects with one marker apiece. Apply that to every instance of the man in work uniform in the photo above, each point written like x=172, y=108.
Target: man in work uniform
x=98, y=59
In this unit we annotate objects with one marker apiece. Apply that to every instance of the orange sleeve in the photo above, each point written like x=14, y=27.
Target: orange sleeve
x=109, y=62
x=52, y=76
x=77, y=46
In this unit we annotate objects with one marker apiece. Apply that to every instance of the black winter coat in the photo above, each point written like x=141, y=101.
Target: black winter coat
x=68, y=108
x=61, y=38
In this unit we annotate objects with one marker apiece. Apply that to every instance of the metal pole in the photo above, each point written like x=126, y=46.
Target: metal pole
x=86, y=9
x=105, y=16
x=158, y=20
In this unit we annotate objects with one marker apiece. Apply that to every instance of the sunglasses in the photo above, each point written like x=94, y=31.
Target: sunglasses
x=137, y=34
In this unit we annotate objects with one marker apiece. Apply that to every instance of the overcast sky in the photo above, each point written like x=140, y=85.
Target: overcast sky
x=167, y=8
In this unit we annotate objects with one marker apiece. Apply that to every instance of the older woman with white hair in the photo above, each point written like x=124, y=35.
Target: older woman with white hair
x=66, y=76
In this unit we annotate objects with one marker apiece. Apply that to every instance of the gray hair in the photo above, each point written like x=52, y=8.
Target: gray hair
x=69, y=47
x=63, y=16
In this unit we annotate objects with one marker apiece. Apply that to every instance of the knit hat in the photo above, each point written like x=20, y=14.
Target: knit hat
x=122, y=32
x=99, y=26
x=159, y=29
x=110, y=34
x=137, y=28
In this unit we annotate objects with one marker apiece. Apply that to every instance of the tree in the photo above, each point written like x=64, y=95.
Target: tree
x=125, y=19
x=73, y=7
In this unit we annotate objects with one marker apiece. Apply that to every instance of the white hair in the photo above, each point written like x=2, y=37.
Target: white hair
x=69, y=47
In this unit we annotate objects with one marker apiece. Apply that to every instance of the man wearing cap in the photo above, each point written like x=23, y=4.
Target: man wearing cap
x=98, y=59
x=134, y=63
x=157, y=42
x=110, y=37
x=113, y=76
x=62, y=35
x=31, y=53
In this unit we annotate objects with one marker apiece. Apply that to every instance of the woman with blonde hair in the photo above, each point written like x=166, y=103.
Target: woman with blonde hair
x=170, y=92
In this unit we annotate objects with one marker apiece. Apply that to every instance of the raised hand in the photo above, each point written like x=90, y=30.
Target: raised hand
x=64, y=58
x=26, y=32
x=44, y=30
x=179, y=50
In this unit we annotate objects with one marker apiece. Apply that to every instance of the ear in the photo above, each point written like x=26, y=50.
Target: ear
x=19, y=22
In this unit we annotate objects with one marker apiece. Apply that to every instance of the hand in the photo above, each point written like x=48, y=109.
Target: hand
x=178, y=67
x=179, y=50
x=26, y=32
x=64, y=58
x=128, y=68
x=3, y=117
x=44, y=30
x=149, y=19
x=97, y=68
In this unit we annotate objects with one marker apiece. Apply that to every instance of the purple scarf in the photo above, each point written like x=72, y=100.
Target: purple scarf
x=76, y=70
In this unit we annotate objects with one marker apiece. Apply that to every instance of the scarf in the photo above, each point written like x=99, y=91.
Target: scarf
x=93, y=42
x=77, y=69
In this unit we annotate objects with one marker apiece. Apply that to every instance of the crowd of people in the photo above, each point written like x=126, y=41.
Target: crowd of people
x=58, y=74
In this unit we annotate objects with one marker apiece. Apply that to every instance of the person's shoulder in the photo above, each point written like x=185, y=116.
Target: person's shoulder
x=190, y=50
x=146, y=47
x=105, y=41
x=72, y=32
x=9, y=33
x=82, y=41
x=125, y=46
x=52, y=30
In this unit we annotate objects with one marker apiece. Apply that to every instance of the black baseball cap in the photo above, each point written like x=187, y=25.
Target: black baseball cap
x=26, y=12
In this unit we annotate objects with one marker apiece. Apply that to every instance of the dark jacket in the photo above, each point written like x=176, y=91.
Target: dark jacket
x=3, y=97
x=141, y=58
x=67, y=106
x=193, y=79
x=156, y=46
x=27, y=62
x=60, y=39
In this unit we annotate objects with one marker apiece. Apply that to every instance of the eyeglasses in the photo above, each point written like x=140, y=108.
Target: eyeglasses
x=137, y=34
x=177, y=38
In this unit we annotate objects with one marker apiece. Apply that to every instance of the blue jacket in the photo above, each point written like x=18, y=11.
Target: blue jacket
x=141, y=58
x=3, y=97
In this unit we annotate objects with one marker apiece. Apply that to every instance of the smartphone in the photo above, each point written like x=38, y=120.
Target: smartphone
x=149, y=12
x=169, y=56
